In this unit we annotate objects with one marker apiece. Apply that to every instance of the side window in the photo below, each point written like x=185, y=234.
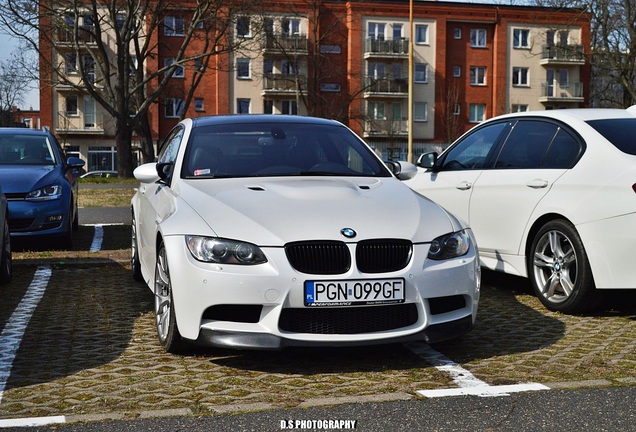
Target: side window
x=563, y=152
x=472, y=151
x=170, y=147
x=527, y=144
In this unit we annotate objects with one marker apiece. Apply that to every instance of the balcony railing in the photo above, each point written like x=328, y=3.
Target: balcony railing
x=386, y=128
x=386, y=86
x=80, y=123
x=65, y=35
x=390, y=47
x=562, y=54
x=555, y=91
x=284, y=43
x=283, y=83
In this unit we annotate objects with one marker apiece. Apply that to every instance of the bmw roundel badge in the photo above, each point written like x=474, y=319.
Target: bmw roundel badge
x=348, y=232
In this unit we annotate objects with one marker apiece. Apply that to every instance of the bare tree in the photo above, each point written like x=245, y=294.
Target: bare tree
x=114, y=45
x=14, y=84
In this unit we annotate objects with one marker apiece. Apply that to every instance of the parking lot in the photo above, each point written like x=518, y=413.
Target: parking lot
x=90, y=350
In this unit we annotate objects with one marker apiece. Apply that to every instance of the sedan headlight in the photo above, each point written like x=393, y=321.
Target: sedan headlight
x=46, y=193
x=449, y=246
x=224, y=251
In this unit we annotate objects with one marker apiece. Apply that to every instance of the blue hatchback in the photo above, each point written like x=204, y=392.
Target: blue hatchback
x=40, y=184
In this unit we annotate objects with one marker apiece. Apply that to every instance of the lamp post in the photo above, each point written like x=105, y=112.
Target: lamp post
x=410, y=87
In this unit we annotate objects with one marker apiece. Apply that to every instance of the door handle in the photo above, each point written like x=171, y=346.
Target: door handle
x=464, y=185
x=537, y=184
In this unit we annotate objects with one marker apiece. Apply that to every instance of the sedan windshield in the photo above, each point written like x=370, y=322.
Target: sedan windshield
x=16, y=149
x=278, y=149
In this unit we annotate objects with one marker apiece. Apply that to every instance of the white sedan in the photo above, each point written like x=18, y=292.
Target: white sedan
x=265, y=232
x=550, y=195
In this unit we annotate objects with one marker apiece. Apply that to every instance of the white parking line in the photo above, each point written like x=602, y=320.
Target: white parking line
x=30, y=422
x=96, y=246
x=468, y=384
x=13, y=332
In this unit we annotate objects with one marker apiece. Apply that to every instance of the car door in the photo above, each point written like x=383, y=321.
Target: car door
x=157, y=199
x=450, y=182
x=535, y=154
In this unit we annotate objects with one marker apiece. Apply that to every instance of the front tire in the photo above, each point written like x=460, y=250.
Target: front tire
x=135, y=264
x=165, y=320
x=6, y=263
x=560, y=271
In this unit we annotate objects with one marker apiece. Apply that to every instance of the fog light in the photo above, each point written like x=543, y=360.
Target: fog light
x=56, y=218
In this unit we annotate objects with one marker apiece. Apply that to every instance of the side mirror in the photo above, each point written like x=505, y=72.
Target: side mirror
x=146, y=173
x=74, y=162
x=427, y=160
x=402, y=170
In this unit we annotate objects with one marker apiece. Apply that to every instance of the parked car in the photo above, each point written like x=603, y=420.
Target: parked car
x=40, y=184
x=94, y=174
x=550, y=195
x=6, y=266
x=265, y=232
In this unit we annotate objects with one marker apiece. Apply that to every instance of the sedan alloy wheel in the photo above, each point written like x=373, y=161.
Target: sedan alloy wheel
x=165, y=320
x=560, y=272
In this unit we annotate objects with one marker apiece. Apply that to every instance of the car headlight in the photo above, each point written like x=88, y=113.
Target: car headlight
x=46, y=193
x=224, y=251
x=449, y=246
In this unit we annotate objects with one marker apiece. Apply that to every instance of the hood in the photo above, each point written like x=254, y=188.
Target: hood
x=275, y=211
x=26, y=178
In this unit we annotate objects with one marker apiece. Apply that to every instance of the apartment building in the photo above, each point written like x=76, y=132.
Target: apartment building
x=350, y=61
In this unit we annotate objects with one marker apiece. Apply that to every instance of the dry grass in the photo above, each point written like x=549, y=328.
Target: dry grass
x=115, y=197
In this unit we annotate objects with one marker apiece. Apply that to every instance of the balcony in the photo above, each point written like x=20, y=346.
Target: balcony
x=561, y=92
x=81, y=123
x=386, y=87
x=383, y=128
x=65, y=36
x=386, y=48
x=284, y=44
x=283, y=84
x=562, y=55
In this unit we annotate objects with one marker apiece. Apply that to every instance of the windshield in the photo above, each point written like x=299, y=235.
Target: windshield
x=278, y=149
x=619, y=132
x=17, y=149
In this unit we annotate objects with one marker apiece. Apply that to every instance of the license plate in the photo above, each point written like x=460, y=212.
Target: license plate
x=353, y=292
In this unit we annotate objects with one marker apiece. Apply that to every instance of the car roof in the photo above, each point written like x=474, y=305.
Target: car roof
x=22, y=131
x=260, y=118
x=582, y=114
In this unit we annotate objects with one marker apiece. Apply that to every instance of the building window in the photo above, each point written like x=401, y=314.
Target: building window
x=457, y=71
x=520, y=77
x=397, y=31
x=70, y=63
x=173, y=26
x=243, y=27
x=477, y=113
x=563, y=78
x=375, y=31
x=242, y=106
x=563, y=38
x=521, y=38
x=243, y=68
x=102, y=158
x=457, y=109
x=178, y=71
x=268, y=106
x=174, y=108
x=198, y=104
x=478, y=38
x=519, y=108
x=477, y=75
x=457, y=33
x=421, y=34
x=71, y=105
x=375, y=110
x=291, y=27
x=420, y=111
x=290, y=107
x=421, y=73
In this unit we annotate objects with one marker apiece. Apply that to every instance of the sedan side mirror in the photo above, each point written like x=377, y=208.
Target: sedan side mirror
x=402, y=170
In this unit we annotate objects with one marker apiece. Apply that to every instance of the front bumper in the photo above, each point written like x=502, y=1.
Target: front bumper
x=249, y=306
x=32, y=218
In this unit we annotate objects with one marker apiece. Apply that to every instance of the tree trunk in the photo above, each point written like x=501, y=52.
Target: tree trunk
x=123, y=138
x=145, y=133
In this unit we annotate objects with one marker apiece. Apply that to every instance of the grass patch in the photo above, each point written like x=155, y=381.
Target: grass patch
x=115, y=197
